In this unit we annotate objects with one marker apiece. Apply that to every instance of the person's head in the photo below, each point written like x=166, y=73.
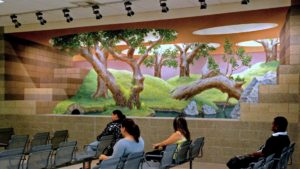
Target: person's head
x=117, y=115
x=129, y=127
x=280, y=124
x=180, y=124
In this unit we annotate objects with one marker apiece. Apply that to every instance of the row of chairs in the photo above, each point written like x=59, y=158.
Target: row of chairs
x=187, y=152
x=22, y=141
x=42, y=156
x=275, y=163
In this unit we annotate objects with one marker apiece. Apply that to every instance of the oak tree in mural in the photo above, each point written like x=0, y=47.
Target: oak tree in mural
x=95, y=47
x=134, y=40
x=188, y=52
x=221, y=80
x=162, y=57
x=270, y=48
x=90, y=47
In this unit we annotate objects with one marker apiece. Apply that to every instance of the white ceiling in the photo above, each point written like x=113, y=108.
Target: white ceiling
x=25, y=9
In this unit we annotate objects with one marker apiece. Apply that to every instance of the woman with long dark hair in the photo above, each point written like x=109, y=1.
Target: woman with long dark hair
x=112, y=128
x=131, y=143
x=180, y=135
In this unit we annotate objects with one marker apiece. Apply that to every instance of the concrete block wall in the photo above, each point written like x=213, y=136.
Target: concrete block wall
x=2, y=62
x=283, y=98
x=32, y=75
x=223, y=138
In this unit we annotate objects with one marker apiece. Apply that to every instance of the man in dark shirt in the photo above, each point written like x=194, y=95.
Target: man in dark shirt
x=273, y=145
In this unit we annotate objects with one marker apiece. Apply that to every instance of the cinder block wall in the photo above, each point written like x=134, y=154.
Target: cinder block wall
x=2, y=61
x=223, y=138
x=32, y=82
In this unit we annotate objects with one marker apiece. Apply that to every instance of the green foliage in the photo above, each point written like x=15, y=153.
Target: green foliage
x=239, y=79
x=228, y=47
x=168, y=56
x=204, y=50
x=212, y=65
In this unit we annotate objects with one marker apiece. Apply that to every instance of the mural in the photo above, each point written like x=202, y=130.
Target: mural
x=214, y=91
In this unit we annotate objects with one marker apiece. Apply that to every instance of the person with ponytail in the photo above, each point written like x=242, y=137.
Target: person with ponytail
x=112, y=128
x=131, y=143
x=180, y=135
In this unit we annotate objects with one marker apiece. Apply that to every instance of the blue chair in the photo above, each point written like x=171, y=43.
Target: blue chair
x=39, y=157
x=11, y=159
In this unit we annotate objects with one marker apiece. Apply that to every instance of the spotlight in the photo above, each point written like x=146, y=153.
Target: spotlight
x=96, y=11
x=245, y=2
x=127, y=5
x=163, y=4
x=67, y=15
x=203, y=4
x=39, y=16
x=15, y=21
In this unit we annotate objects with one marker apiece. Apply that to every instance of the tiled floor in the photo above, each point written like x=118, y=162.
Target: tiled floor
x=196, y=165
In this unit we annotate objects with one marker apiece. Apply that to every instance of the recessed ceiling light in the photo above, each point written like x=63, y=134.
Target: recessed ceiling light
x=1, y=1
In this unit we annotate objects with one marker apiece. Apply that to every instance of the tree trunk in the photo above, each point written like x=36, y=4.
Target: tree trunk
x=157, y=71
x=220, y=82
x=137, y=88
x=270, y=48
x=106, y=76
x=101, y=90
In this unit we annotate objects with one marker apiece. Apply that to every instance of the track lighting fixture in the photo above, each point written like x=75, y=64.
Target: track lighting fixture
x=127, y=5
x=15, y=21
x=39, y=16
x=203, y=4
x=96, y=11
x=245, y=2
x=67, y=15
x=163, y=4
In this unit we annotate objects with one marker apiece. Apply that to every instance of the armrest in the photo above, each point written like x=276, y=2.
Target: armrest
x=110, y=163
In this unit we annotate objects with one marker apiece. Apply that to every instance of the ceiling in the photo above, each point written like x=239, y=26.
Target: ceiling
x=25, y=10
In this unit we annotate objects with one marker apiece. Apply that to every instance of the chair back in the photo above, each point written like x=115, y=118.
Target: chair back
x=64, y=153
x=104, y=142
x=269, y=162
x=11, y=159
x=168, y=154
x=283, y=159
x=133, y=161
x=38, y=140
x=258, y=164
x=58, y=137
x=18, y=141
x=39, y=157
x=182, y=152
x=196, y=148
x=111, y=163
x=5, y=135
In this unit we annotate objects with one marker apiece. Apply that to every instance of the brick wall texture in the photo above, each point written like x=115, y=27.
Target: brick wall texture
x=32, y=79
x=223, y=138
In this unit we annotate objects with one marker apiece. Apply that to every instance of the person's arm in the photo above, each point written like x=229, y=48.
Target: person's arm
x=104, y=132
x=173, y=138
x=119, y=150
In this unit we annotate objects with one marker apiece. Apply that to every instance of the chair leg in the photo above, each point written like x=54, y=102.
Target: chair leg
x=191, y=164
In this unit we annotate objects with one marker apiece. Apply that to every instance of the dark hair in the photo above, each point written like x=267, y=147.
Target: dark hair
x=281, y=123
x=180, y=124
x=120, y=115
x=132, y=128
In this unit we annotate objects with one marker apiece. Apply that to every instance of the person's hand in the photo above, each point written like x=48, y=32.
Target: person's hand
x=156, y=146
x=103, y=157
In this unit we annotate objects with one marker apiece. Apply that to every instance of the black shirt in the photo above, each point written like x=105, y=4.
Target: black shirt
x=275, y=144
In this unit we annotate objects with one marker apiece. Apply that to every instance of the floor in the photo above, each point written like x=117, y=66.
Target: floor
x=196, y=165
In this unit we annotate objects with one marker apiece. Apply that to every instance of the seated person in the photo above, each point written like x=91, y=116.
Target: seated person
x=131, y=143
x=273, y=145
x=112, y=128
x=180, y=135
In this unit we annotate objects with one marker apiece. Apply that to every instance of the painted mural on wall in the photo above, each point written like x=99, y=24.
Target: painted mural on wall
x=215, y=91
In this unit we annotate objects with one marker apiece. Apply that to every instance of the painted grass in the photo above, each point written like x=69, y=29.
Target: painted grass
x=156, y=94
